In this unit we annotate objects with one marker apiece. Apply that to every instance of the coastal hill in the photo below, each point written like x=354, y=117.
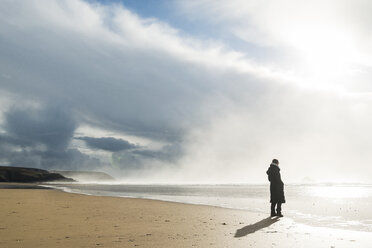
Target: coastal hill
x=86, y=176
x=29, y=175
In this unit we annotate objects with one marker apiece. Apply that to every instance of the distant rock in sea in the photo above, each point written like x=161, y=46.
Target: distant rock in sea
x=29, y=175
x=86, y=176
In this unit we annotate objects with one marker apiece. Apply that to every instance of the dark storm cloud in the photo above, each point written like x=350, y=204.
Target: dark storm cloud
x=70, y=159
x=39, y=137
x=14, y=141
x=52, y=127
x=107, y=143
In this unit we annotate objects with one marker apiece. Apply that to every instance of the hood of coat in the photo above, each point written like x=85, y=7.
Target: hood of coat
x=274, y=166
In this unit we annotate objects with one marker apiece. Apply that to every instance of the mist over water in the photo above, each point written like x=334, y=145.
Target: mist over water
x=331, y=205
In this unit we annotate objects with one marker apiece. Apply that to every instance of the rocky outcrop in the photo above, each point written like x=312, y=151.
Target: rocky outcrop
x=29, y=175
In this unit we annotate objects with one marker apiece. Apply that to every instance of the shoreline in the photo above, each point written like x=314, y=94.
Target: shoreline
x=53, y=218
x=327, y=221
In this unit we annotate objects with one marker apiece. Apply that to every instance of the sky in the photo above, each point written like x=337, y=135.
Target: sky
x=175, y=91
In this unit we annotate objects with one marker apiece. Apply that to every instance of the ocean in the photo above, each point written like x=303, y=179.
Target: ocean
x=346, y=206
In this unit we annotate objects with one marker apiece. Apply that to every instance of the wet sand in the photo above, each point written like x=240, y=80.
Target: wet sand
x=50, y=218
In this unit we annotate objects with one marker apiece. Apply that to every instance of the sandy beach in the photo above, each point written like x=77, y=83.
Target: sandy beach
x=51, y=218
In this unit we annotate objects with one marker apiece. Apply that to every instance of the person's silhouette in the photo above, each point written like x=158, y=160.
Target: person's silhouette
x=276, y=188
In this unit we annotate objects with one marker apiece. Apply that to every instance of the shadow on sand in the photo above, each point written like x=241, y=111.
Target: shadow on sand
x=255, y=227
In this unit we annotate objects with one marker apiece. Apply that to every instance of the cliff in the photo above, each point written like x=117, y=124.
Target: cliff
x=29, y=175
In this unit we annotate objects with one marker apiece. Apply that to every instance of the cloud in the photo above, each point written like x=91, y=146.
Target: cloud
x=107, y=143
x=105, y=75
x=323, y=45
x=115, y=70
x=213, y=112
x=52, y=127
x=168, y=153
x=39, y=137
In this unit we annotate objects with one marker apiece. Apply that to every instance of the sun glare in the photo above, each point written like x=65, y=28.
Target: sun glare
x=340, y=191
x=328, y=53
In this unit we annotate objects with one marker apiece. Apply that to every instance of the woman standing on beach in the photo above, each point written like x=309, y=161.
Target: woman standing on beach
x=276, y=188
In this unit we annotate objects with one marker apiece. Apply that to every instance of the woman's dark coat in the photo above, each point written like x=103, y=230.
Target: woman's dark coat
x=276, y=184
